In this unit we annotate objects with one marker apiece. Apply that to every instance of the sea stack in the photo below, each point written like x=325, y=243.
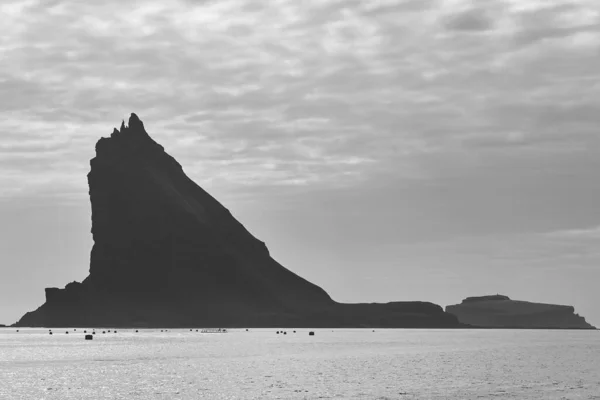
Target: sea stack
x=499, y=311
x=167, y=254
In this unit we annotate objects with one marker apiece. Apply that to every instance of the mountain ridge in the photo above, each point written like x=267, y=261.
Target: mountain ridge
x=167, y=253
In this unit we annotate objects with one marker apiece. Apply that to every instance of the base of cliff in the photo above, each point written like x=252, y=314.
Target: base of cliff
x=79, y=307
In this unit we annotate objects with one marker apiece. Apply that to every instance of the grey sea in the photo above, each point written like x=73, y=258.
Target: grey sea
x=333, y=364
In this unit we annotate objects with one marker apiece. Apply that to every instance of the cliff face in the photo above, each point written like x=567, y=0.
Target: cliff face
x=166, y=253
x=499, y=311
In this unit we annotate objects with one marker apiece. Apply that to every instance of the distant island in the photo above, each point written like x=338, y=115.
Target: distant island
x=498, y=311
x=167, y=254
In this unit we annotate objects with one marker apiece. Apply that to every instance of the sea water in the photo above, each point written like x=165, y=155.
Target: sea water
x=332, y=364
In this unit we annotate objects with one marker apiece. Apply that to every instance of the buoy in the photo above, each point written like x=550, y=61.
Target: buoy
x=246, y=330
x=51, y=333
x=311, y=334
x=285, y=333
x=17, y=330
x=294, y=331
x=89, y=337
x=115, y=332
x=67, y=332
x=136, y=331
x=84, y=331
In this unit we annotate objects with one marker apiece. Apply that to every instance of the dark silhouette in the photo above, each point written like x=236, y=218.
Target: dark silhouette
x=166, y=253
x=498, y=311
x=89, y=337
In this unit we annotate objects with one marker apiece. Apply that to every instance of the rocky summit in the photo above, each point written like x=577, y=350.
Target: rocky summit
x=167, y=254
x=499, y=311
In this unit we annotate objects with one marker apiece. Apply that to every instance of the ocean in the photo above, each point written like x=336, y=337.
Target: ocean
x=332, y=364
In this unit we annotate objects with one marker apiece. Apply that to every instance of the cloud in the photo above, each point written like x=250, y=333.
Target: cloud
x=469, y=21
x=309, y=93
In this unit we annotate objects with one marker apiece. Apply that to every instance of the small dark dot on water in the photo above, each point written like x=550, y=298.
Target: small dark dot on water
x=67, y=332
x=84, y=331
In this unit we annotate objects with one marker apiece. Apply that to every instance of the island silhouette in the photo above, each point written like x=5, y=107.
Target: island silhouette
x=168, y=254
x=499, y=311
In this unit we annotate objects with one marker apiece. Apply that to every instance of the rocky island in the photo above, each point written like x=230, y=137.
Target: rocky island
x=498, y=311
x=167, y=254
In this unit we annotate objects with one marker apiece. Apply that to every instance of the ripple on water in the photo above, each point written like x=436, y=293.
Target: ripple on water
x=347, y=364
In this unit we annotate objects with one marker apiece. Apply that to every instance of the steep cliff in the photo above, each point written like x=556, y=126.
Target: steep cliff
x=166, y=253
x=498, y=311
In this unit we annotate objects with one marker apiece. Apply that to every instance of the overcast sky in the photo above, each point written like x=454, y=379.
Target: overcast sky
x=385, y=150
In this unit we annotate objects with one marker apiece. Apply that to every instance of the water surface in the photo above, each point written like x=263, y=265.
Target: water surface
x=333, y=364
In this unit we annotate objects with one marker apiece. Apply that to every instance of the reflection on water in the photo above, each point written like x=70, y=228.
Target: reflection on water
x=339, y=363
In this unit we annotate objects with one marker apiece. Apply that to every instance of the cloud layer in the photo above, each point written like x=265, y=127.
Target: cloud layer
x=285, y=93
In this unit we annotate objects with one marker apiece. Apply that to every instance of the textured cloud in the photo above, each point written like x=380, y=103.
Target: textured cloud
x=295, y=93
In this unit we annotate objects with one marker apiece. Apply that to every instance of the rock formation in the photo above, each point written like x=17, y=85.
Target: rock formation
x=498, y=311
x=166, y=253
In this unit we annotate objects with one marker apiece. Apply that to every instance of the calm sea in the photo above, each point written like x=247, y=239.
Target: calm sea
x=333, y=364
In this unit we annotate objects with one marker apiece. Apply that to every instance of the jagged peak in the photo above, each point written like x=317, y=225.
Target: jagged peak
x=131, y=137
x=135, y=123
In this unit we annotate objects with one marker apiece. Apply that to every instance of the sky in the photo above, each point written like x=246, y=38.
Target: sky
x=386, y=150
